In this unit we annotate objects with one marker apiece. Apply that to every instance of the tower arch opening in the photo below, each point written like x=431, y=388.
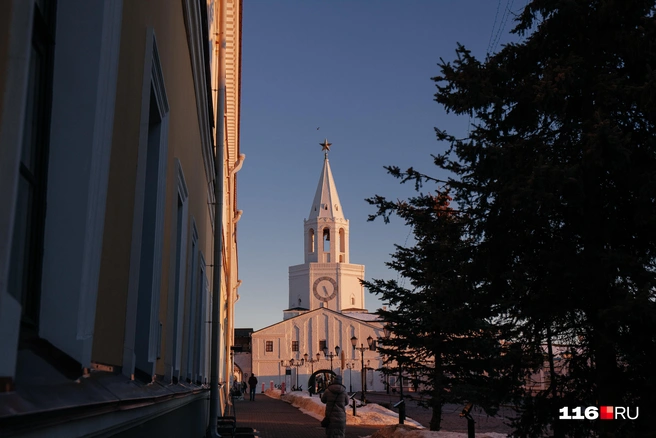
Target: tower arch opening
x=326, y=244
x=342, y=246
x=311, y=240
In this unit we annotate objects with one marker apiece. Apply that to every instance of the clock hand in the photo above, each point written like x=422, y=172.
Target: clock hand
x=325, y=291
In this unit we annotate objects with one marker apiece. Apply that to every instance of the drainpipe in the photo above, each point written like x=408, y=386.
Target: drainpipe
x=231, y=289
x=218, y=229
x=238, y=164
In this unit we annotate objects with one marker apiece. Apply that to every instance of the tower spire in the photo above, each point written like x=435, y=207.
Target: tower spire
x=325, y=146
x=326, y=201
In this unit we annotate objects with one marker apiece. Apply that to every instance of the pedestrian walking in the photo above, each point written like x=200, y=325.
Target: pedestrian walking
x=236, y=389
x=320, y=387
x=252, y=383
x=336, y=400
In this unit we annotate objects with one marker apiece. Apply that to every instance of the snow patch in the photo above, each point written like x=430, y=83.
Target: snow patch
x=370, y=415
x=403, y=431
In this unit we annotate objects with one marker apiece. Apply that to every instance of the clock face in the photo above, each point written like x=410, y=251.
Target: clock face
x=324, y=288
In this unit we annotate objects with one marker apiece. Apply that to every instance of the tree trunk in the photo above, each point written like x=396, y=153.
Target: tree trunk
x=552, y=383
x=436, y=397
x=605, y=376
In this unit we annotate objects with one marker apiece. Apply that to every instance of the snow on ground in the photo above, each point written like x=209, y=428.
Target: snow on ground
x=370, y=415
x=401, y=431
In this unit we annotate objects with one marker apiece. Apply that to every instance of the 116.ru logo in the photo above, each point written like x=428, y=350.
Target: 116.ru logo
x=593, y=413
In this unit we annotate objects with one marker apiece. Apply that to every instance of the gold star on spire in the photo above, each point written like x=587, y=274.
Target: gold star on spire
x=325, y=146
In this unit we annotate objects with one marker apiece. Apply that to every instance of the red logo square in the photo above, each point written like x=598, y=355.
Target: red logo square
x=606, y=413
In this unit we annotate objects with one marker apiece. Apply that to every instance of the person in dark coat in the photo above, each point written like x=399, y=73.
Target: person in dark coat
x=336, y=400
x=252, y=383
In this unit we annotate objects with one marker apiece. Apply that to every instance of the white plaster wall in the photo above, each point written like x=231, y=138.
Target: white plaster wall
x=349, y=285
x=299, y=286
x=309, y=329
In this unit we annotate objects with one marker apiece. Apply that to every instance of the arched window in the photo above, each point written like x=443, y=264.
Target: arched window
x=311, y=240
x=326, y=245
x=342, y=245
x=342, y=240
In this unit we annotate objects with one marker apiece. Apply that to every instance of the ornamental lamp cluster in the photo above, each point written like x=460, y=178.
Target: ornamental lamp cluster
x=312, y=361
x=387, y=331
x=294, y=363
x=331, y=355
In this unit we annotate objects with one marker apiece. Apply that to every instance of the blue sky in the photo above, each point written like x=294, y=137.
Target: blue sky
x=360, y=72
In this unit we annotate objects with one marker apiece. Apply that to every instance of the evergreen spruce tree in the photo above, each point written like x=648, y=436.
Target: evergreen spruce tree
x=441, y=335
x=556, y=182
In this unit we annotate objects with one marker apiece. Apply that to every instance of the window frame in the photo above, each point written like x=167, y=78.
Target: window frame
x=142, y=363
x=35, y=172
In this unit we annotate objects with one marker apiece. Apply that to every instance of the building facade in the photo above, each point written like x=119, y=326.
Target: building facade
x=108, y=129
x=326, y=307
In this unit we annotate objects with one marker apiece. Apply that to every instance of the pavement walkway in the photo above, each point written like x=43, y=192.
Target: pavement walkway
x=275, y=418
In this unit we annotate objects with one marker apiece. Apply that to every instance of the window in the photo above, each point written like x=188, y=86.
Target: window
x=191, y=310
x=29, y=222
x=268, y=346
x=326, y=240
x=326, y=245
x=201, y=326
x=311, y=240
x=322, y=345
x=342, y=240
x=148, y=238
x=179, y=284
x=294, y=345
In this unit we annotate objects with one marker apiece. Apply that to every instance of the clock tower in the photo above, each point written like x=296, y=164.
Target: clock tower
x=326, y=279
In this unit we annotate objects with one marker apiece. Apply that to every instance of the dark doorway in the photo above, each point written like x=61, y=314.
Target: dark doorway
x=320, y=380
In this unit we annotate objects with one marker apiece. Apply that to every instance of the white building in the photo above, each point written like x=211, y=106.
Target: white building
x=110, y=119
x=326, y=306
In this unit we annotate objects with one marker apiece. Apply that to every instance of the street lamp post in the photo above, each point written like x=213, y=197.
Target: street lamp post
x=350, y=368
x=285, y=366
x=361, y=349
x=331, y=355
x=366, y=373
x=387, y=332
x=293, y=363
x=311, y=361
x=297, y=364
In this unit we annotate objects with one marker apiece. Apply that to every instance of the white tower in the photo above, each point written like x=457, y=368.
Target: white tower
x=326, y=279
